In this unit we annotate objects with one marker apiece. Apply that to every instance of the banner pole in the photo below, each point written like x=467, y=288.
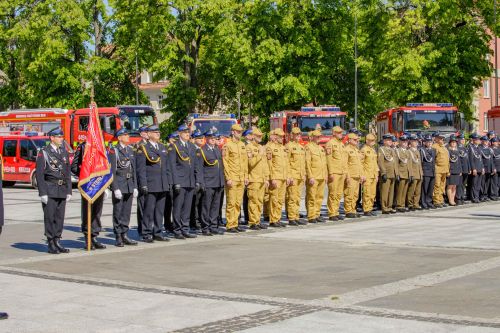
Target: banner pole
x=89, y=218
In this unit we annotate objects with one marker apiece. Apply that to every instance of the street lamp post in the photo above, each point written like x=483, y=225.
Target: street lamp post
x=496, y=50
x=356, y=69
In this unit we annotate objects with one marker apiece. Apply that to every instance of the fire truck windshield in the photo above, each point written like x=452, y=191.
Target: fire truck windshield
x=430, y=120
x=40, y=143
x=132, y=121
x=307, y=124
x=223, y=126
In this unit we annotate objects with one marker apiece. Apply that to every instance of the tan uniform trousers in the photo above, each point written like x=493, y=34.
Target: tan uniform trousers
x=351, y=194
x=414, y=191
x=401, y=193
x=335, y=191
x=369, y=193
x=293, y=196
x=255, y=202
x=439, y=188
x=314, y=197
x=265, y=211
x=234, y=197
x=276, y=201
x=387, y=194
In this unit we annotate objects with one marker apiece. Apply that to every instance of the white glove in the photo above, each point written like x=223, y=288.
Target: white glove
x=68, y=197
x=136, y=193
x=118, y=194
x=107, y=194
x=44, y=199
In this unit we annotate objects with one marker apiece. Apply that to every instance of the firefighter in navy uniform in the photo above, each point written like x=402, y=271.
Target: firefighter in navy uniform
x=495, y=186
x=427, y=156
x=3, y=315
x=466, y=170
x=141, y=199
x=213, y=181
x=477, y=168
x=53, y=176
x=124, y=186
x=96, y=208
x=153, y=182
x=169, y=202
x=489, y=168
x=196, y=206
x=184, y=179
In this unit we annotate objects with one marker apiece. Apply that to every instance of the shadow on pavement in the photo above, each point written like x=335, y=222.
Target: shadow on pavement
x=36, y=247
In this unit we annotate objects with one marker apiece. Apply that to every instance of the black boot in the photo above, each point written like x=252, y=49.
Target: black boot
x=52, y=249
x=92, y=247
x=128, y=241
x=119, y=240
x=3, y=315
x=98, y=245
x=58, y=245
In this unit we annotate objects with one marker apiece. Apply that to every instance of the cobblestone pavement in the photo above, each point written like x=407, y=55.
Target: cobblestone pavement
x=432, y=271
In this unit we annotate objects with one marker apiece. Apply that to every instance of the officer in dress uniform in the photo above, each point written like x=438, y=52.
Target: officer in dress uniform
x=234, y=155
x=169, y=201
x=153, y=182
x=442, y=170
x=496, y=162
x=97, y=205
x=370, y=171
x=336, y=161
x=466, y=170
x=428, y=157
x=213, y=179
x=415, y=185
x=386, y=162
x=141, y=199
x=185, y=177
x=316, y=175
x=196, y=206
x=477, y=168
x=3, y=315
x=53, y=176
x=403, y=177
x=123, y=187
x=277, y=160
x=489, y=168
x=354, y=177
x=297, y=174
x=455, y=177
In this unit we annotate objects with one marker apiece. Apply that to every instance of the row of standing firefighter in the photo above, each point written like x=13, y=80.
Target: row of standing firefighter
x=180, y=185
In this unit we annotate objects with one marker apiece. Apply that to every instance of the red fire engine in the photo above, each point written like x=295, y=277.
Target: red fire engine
x=494, y=119
x=308, y=119
x=74, y=122
x=420, y=118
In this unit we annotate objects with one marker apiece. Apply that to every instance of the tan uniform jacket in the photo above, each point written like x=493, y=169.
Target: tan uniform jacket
x=404, y=162
x=234, y=156
x=416, y=164
x=336, y=158
x=277, y=160
x=354, y=166
x=369, y=162
x=315, y=161
x=386, y=162
x=296, y=160
x=258, y=169
x=442, y=159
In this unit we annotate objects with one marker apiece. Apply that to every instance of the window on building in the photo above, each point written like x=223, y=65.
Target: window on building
x=485, y=121
x=486, y=89
x=160, y=101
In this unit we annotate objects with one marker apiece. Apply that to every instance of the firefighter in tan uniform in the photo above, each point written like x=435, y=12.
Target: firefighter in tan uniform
x=258, y=180
x=277, y=159
x=354, y=177
x=386, y=163
x=403, y=176
x=316, y=177
x=442, y=170
x=415, y=186
x=235, y=158
x=296, y=176
x=370, y=171
x=336, y=161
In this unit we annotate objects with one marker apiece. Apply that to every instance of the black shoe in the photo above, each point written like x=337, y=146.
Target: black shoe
x=98, y=245
x=128, y=241
x=52, y=248
x=475, y=201
x=351, y=215
x=393, y=211
x=232, y=231
x=293, y=222
x=263, y=226
x=275, y=225
x=411, y=209
x=367, y=214
x=58, y=245
x=148, y=239
x=4, y=315
x=161, y=238
x=313, y=221
x=92, y=247
x=282, y=225
x=179, y=236
x=401, y=210
x=386, y=212
x=119, y=241
x=187, y=235
x=254, y=227
x=341, y=217
x=320, y=219
x=333, y=218
x=432, y=206
x=241, y=229
x=206, y=233
x=299, y=222
x=217, y=232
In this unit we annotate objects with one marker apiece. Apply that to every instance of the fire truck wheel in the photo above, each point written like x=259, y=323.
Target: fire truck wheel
x=33, y=182
x=8, y=183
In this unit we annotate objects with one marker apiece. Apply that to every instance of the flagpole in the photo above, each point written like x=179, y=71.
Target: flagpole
x=89, y=205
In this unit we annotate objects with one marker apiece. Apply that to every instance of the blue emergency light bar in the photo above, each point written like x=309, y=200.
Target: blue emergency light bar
x=308, y=108
x=330, y=108
x=442, y=105
x=199, y=115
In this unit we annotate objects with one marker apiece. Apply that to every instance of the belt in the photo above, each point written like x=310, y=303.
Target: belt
x=127, y=175
x=56, y=181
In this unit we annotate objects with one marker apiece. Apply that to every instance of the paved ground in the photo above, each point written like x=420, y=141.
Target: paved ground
x=433, y=271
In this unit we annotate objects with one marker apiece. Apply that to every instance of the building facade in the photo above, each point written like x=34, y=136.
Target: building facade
x=154, y=91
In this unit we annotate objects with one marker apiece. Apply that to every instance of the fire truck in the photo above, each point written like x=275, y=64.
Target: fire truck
x=420, y=118
x=221, y=123
x=308, y=119
x=74, y=122
x=494, y=119
x=19, y=151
